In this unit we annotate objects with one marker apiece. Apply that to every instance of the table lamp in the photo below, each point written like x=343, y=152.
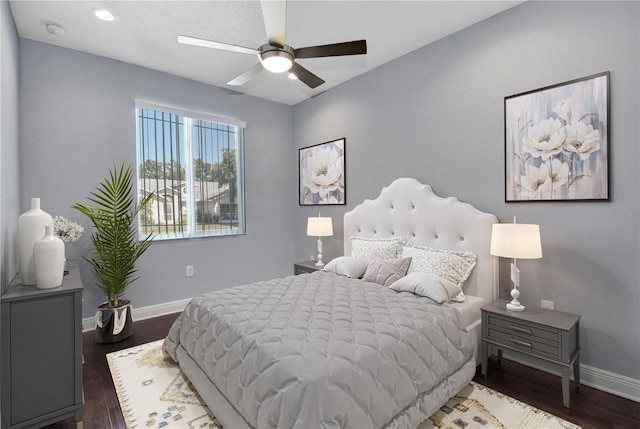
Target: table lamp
x=319, y=227
x=515, y=240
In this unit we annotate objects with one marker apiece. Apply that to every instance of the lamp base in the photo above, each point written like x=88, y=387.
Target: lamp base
x=319, y=263
x=515, y=306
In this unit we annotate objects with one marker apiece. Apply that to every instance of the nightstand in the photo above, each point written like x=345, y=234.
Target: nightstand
x=536, y=333
x=306, y=267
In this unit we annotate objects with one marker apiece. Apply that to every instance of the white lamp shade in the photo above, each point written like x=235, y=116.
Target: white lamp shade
x=319, y=227
x=516, y=240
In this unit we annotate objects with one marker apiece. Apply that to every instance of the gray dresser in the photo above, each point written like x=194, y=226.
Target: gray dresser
x=41, y=353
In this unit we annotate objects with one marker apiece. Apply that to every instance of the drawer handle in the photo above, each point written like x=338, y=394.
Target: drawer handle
x=519, y=329
x=520, y=343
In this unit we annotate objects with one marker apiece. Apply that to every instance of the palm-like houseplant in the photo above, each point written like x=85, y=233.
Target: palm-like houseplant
x=116, y=249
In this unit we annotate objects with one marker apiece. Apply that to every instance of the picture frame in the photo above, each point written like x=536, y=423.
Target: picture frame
x=322, y=174
x=557, y=142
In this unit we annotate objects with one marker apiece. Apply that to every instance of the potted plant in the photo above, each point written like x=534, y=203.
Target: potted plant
x=116, y=250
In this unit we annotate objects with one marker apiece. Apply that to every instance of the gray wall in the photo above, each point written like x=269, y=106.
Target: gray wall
x=437, y=115
x=77, y=118
x=9, y=183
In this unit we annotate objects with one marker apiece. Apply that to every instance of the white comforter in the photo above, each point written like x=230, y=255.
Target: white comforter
x=321, y=350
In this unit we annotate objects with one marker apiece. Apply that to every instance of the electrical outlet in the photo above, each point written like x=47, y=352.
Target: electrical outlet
x=189, y=271
x=547, y=304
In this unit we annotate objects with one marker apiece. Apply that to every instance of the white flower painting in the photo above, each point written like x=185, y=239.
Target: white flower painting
x=322, y=173
x=556, y=141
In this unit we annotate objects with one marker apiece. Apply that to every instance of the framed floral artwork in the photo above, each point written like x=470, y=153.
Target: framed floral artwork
x=556, y=142
x=322, y=174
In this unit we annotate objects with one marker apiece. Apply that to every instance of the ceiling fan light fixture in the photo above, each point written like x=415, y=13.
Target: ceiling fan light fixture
x=276, y=61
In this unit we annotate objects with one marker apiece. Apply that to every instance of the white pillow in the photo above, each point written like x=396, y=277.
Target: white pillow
x=347, y=266
x=430, y=286
x=453, y=265
x=365, y=248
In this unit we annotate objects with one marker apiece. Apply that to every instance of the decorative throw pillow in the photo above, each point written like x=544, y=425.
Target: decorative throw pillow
x=453, y=265
x=430, y=286
x=386, y=271
x=347, y=266
x=365, y=248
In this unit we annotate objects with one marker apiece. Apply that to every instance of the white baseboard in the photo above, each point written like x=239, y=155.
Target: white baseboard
x=142, y=313
x=600, y=379
x=610, y=382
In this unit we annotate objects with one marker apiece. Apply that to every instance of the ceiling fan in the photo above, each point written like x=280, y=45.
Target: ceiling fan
x=276, y=56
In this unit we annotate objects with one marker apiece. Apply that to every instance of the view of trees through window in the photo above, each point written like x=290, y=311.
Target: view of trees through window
x=194, y=168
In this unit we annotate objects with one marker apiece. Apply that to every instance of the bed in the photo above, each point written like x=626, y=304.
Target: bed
x=324, y=350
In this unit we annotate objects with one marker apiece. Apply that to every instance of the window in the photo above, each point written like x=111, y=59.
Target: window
x=194, y=165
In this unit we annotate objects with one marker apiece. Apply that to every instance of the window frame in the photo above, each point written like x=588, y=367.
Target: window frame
x=189, y=183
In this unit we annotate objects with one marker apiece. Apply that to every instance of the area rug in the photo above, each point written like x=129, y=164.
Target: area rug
x=478, y=407
x=153, y=394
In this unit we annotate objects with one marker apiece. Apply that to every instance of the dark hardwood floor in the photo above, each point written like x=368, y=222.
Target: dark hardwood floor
x=590, y=408
x=101, y=409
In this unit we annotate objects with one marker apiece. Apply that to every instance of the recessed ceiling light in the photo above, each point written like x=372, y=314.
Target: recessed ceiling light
x=292, y=76
x=103, y=14
x=56, y=29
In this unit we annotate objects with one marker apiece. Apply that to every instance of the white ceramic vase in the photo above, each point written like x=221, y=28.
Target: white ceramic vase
x=31, y=226
x=48, y=253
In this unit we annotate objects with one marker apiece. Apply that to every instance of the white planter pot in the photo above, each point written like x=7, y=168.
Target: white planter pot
x=113, y=324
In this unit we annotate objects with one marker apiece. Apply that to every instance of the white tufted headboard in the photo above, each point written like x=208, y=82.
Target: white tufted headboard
x=409, y=209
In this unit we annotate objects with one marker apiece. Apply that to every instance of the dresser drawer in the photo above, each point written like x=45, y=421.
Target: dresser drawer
x=530, y=331
x=524, y=342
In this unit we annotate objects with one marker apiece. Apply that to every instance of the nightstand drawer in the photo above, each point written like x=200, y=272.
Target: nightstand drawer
x=520, y=328
x=302, y=270
x=306, y=267
x=523, y=342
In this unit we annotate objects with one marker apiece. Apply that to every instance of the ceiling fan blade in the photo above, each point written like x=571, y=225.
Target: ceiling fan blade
x=357, y=47
x=246, y=76
x=304, y=75
x=275, y=17
x=187, y=40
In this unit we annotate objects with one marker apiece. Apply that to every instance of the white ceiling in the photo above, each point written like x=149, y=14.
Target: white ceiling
x=145, y=33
